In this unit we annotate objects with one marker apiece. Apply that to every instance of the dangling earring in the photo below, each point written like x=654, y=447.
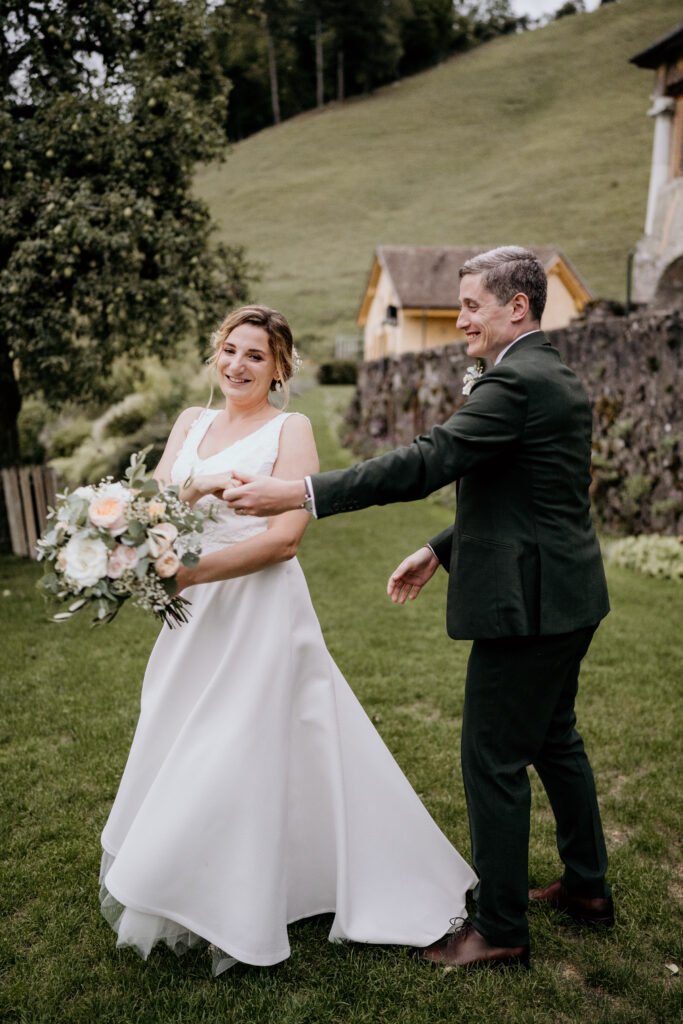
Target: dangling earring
x=278, y=385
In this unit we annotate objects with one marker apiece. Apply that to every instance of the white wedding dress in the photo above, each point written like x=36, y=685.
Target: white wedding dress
x=257, y=791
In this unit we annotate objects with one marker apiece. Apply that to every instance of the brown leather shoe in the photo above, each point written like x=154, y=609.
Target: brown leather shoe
x=465, y=947
x=595, y=911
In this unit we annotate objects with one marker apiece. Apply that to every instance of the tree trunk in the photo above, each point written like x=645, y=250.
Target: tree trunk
x=340, y=75
x=320, y=94
x=10, y=404
x=272, y=70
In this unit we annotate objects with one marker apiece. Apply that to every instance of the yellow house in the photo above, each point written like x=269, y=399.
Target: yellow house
x=411, y=298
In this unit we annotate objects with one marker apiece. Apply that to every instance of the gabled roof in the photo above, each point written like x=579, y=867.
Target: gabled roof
x=426, y=277
x=667, y=48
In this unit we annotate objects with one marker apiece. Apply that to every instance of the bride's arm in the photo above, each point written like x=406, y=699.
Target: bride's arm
x=200, y=485
x=280, y=541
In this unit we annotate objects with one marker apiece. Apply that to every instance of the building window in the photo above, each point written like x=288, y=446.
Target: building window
x=391, y=316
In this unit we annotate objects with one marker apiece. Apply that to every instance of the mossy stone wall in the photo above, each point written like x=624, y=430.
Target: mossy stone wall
x=631, y=367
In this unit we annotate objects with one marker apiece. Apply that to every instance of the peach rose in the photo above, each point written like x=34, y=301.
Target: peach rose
x=167, y=564
x=160, y=538
x=109, y=509
x=120, y=559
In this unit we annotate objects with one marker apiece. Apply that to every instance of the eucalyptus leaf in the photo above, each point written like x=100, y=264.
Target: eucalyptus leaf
x=149, y=488
x=141, y=567
x=135, y=531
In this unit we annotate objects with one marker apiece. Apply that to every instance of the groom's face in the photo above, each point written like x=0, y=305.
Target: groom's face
x=487, y=324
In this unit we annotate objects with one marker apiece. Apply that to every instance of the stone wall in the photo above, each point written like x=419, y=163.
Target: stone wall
x=631, y=368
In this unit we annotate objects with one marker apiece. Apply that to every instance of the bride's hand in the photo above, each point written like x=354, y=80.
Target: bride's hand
x=209, y=483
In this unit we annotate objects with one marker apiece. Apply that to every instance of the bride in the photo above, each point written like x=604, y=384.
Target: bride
x=257, y=792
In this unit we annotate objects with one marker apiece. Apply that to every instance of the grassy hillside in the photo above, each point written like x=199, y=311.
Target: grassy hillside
x=541, y=137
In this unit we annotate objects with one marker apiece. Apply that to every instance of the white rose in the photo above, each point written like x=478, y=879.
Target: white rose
x=160, y=538
x=115, y=490
x=85, y=561
x=86, y=492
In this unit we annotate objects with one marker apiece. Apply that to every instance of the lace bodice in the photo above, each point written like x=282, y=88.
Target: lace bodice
x=256, y=453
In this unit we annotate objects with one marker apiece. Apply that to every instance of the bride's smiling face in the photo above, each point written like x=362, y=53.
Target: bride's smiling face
x=245, y=364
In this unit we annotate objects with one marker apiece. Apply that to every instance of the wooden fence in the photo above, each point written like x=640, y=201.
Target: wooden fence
x=28, y=492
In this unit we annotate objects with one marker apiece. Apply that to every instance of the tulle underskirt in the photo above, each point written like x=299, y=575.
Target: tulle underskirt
x=142, y=931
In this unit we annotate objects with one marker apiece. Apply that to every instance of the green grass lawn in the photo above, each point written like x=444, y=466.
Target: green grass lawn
x=537, y=138
x=69, y=706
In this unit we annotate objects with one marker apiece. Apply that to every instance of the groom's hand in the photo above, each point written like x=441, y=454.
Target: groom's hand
x=408, y=579
x=263, y=495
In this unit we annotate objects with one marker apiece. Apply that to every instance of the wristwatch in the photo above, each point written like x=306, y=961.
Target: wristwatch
x=307, y=503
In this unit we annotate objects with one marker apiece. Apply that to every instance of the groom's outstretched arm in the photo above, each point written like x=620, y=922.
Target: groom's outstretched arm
x=492, y=419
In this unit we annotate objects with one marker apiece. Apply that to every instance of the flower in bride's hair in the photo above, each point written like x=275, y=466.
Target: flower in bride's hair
x=167, y=564
x=121, y=558
x=160, y=538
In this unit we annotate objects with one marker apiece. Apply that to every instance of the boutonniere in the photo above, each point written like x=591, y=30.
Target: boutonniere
x=473, y=374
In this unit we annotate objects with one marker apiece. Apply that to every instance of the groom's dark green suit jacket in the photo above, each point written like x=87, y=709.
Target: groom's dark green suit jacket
x=523, y=557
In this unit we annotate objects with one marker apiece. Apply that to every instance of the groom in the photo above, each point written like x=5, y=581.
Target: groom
x=526, y=584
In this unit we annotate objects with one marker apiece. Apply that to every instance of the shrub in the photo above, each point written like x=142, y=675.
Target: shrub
x=125, y=417
x=155, y=434
x=88, y=463
x=651, y=554
x=31, y=422
x=65, y=439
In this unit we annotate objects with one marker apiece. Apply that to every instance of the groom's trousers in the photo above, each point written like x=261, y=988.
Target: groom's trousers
x=519, y=711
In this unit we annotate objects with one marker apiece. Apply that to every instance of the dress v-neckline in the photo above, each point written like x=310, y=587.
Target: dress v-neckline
x=233, y=443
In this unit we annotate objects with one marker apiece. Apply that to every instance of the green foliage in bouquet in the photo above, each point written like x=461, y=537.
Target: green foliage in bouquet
x=118, y=540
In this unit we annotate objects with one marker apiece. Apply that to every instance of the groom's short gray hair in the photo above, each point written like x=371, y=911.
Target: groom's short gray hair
x=510, y=269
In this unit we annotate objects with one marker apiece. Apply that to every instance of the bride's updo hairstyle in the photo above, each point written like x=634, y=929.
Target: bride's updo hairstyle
x=279, y=337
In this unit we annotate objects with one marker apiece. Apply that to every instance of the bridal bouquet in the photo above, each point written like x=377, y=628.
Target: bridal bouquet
x=117, y=540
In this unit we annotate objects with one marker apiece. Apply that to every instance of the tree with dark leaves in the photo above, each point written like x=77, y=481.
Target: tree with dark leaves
x=106, y=107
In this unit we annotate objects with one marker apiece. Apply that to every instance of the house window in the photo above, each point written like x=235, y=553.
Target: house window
x=391, y=316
